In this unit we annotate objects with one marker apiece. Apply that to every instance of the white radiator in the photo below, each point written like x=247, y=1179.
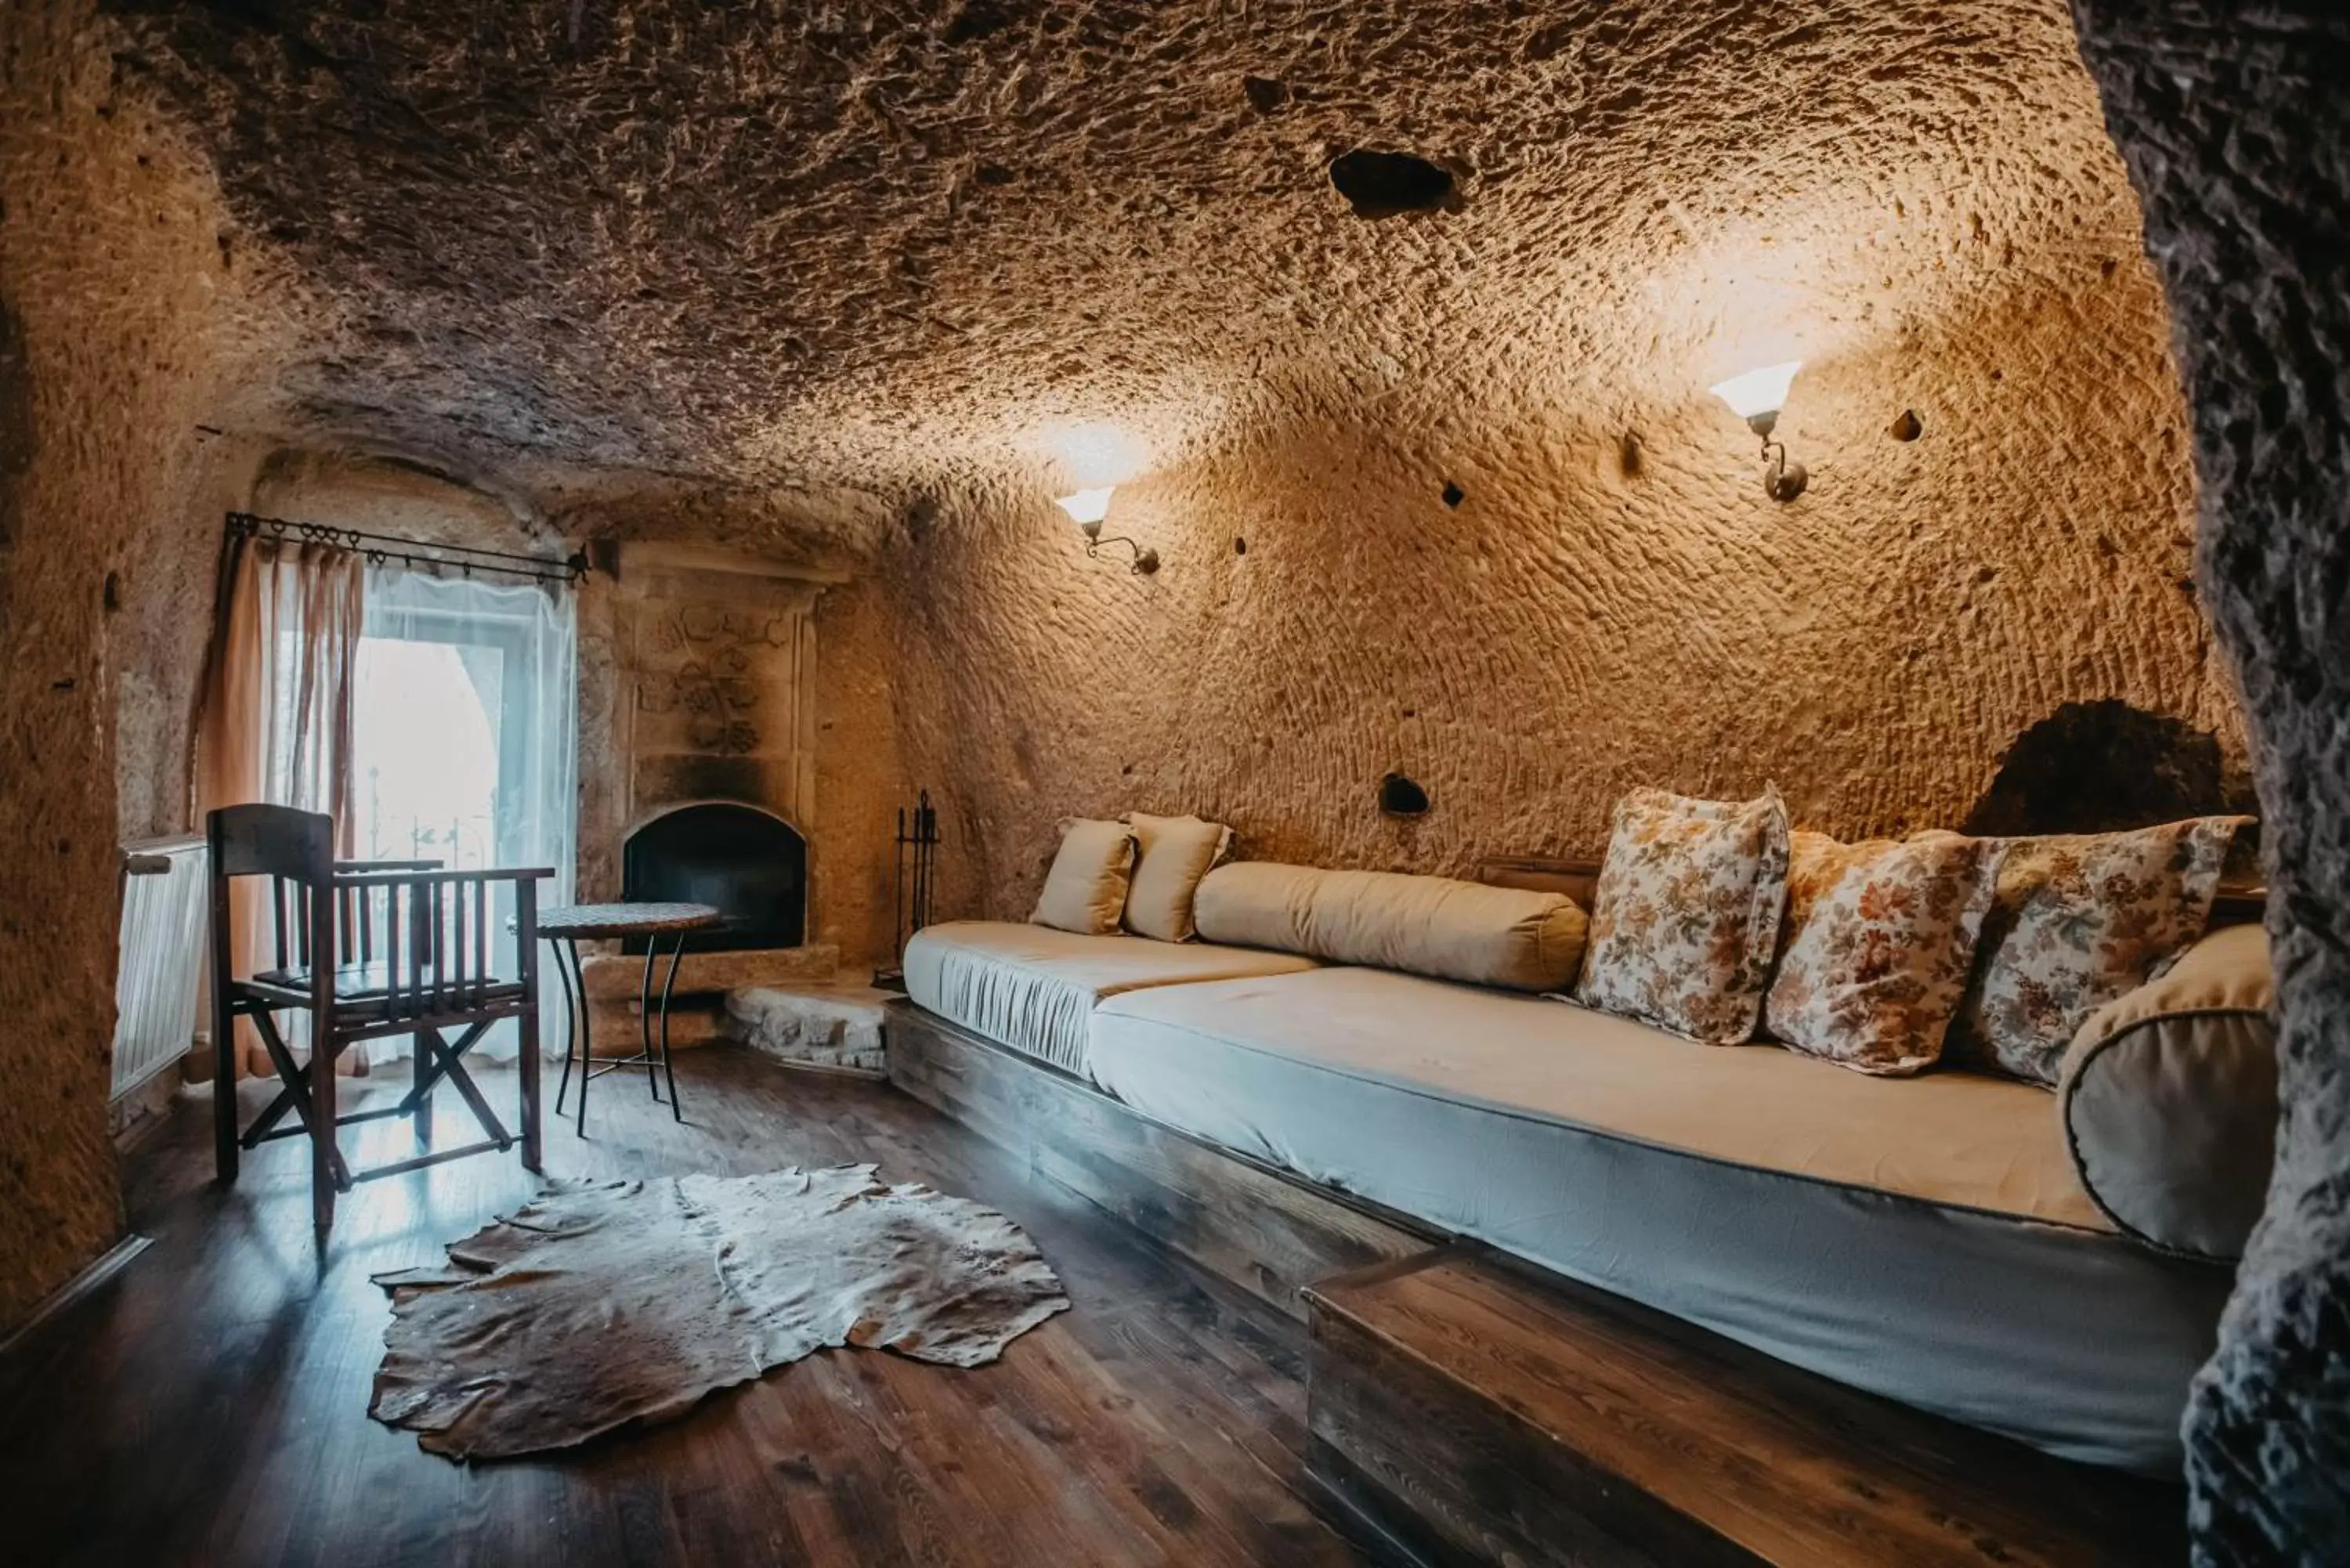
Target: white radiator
x=162, y=958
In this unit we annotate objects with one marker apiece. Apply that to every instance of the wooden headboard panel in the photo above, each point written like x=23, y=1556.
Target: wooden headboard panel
x=1574, y=878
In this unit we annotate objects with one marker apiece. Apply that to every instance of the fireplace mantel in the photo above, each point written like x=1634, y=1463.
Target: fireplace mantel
x=716, y=665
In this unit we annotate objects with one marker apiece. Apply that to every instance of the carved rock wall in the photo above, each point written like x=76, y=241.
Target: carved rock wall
x=2234, y=123
x=118, y=341
x=1575, y=625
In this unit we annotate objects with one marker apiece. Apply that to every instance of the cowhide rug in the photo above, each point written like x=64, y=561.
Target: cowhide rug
x=602, y=1302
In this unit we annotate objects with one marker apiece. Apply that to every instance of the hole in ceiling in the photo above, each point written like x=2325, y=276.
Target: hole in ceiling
x=1906, y=426
x=1399, y=796
x=1264, y=94
x=1453, y=494
x=1381, y=184
x=1240, y=546
x=992, y=174
x=976, y=20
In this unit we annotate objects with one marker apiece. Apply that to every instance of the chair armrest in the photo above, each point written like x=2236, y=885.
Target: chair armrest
x=420, y=879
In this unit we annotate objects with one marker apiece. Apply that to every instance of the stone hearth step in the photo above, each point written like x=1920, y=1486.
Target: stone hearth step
x=614, y=976
x=831, y=1028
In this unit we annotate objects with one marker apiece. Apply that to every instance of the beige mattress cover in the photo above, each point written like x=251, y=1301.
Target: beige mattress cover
x=1033, y=988
x=1961, y=1140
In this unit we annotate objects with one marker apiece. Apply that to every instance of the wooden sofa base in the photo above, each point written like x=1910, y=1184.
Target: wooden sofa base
x=1242, y=1220
x=1466, y=1407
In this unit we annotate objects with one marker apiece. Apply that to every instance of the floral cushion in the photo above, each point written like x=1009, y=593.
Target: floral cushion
x=1878, y=940
x=1686, y=913
x=2077, y=921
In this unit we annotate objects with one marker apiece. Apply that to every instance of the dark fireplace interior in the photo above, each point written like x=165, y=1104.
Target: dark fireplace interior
x=749, y=865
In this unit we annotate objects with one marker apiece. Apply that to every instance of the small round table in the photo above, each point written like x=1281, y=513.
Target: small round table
x=567, y=927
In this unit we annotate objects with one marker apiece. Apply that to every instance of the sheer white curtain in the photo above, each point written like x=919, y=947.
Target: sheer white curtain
x=465, y=716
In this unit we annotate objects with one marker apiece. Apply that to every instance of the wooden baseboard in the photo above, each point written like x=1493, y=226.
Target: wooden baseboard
x=109, y=1263
x=1263, y=1230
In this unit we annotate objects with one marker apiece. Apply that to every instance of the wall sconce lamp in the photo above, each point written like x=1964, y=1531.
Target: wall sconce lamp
x=1757, y=397
x=1086, y=509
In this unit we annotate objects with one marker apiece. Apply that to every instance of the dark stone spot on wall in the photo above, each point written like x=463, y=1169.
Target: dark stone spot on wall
x=1906, y=426
x=17, y=436
x=1453, y=494
x=1240, y=546
x=921, y=518
x=994, y=174
x=2095, y=767
x=1266, y=95
x=1383, y=184
x=1399, y=796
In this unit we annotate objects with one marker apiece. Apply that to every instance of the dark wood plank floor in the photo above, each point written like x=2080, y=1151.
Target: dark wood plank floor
x=209, y=1404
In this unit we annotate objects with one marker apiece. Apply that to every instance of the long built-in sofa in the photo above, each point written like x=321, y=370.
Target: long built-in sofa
x=1927, y=1238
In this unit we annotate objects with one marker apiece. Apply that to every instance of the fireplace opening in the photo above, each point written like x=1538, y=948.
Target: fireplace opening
x=749, y=865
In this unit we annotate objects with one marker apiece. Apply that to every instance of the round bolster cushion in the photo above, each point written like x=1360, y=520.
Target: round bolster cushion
x=1424, y=925
x=2169, y=1100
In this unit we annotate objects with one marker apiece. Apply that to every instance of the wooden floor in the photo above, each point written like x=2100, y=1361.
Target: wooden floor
x=209, y=1405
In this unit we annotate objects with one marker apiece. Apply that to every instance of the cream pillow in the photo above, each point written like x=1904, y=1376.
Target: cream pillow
x=1878, y=939
x=1424, y=925
x=1686, y=914
x=1174, y=853
x=1085, y=891
x=2169, y=1099
x=2078, y=920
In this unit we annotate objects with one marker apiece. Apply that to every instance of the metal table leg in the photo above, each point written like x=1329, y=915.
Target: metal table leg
x=572, y=1013
x=676, y=952
x=645, y=1012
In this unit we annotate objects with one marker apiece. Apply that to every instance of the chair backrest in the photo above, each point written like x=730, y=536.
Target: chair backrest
x=272, y=841
x=296, y=850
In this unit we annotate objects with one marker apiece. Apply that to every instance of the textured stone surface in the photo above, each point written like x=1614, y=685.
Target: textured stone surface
x=119, y=320
x=1439, y=493
x=837, y=1028
x=2236, y=126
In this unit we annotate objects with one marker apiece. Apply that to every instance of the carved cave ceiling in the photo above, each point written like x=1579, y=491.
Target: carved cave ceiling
x=794, y=247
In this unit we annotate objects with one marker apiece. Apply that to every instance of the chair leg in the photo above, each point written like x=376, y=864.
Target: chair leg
x=420, y=1116
x=322, y=1130
x=532, y=1142
x=225, y=1145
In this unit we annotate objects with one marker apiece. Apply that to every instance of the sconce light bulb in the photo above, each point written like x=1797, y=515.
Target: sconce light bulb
x=1758, y=393
x=1086, y=508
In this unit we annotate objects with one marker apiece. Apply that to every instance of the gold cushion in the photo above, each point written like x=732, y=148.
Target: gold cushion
x=1172, y=854
x=1085, y=891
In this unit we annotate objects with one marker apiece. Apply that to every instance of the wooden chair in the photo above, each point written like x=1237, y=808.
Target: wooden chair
x=364, y=948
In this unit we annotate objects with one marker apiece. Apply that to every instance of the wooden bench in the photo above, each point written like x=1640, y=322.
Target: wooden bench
x=1473, y=1412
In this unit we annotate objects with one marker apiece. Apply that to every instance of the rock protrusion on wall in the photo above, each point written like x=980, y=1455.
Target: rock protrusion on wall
x=2234, y=124
x=2096, y=767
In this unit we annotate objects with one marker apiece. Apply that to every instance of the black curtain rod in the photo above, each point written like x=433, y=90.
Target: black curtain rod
x=382, y=547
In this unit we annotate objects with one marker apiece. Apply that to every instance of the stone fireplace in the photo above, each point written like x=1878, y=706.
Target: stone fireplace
x=709, y=773
x=747, y=863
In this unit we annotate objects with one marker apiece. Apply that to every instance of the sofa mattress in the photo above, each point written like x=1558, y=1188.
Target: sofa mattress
x=1033, y=988
x=1924, y=1238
